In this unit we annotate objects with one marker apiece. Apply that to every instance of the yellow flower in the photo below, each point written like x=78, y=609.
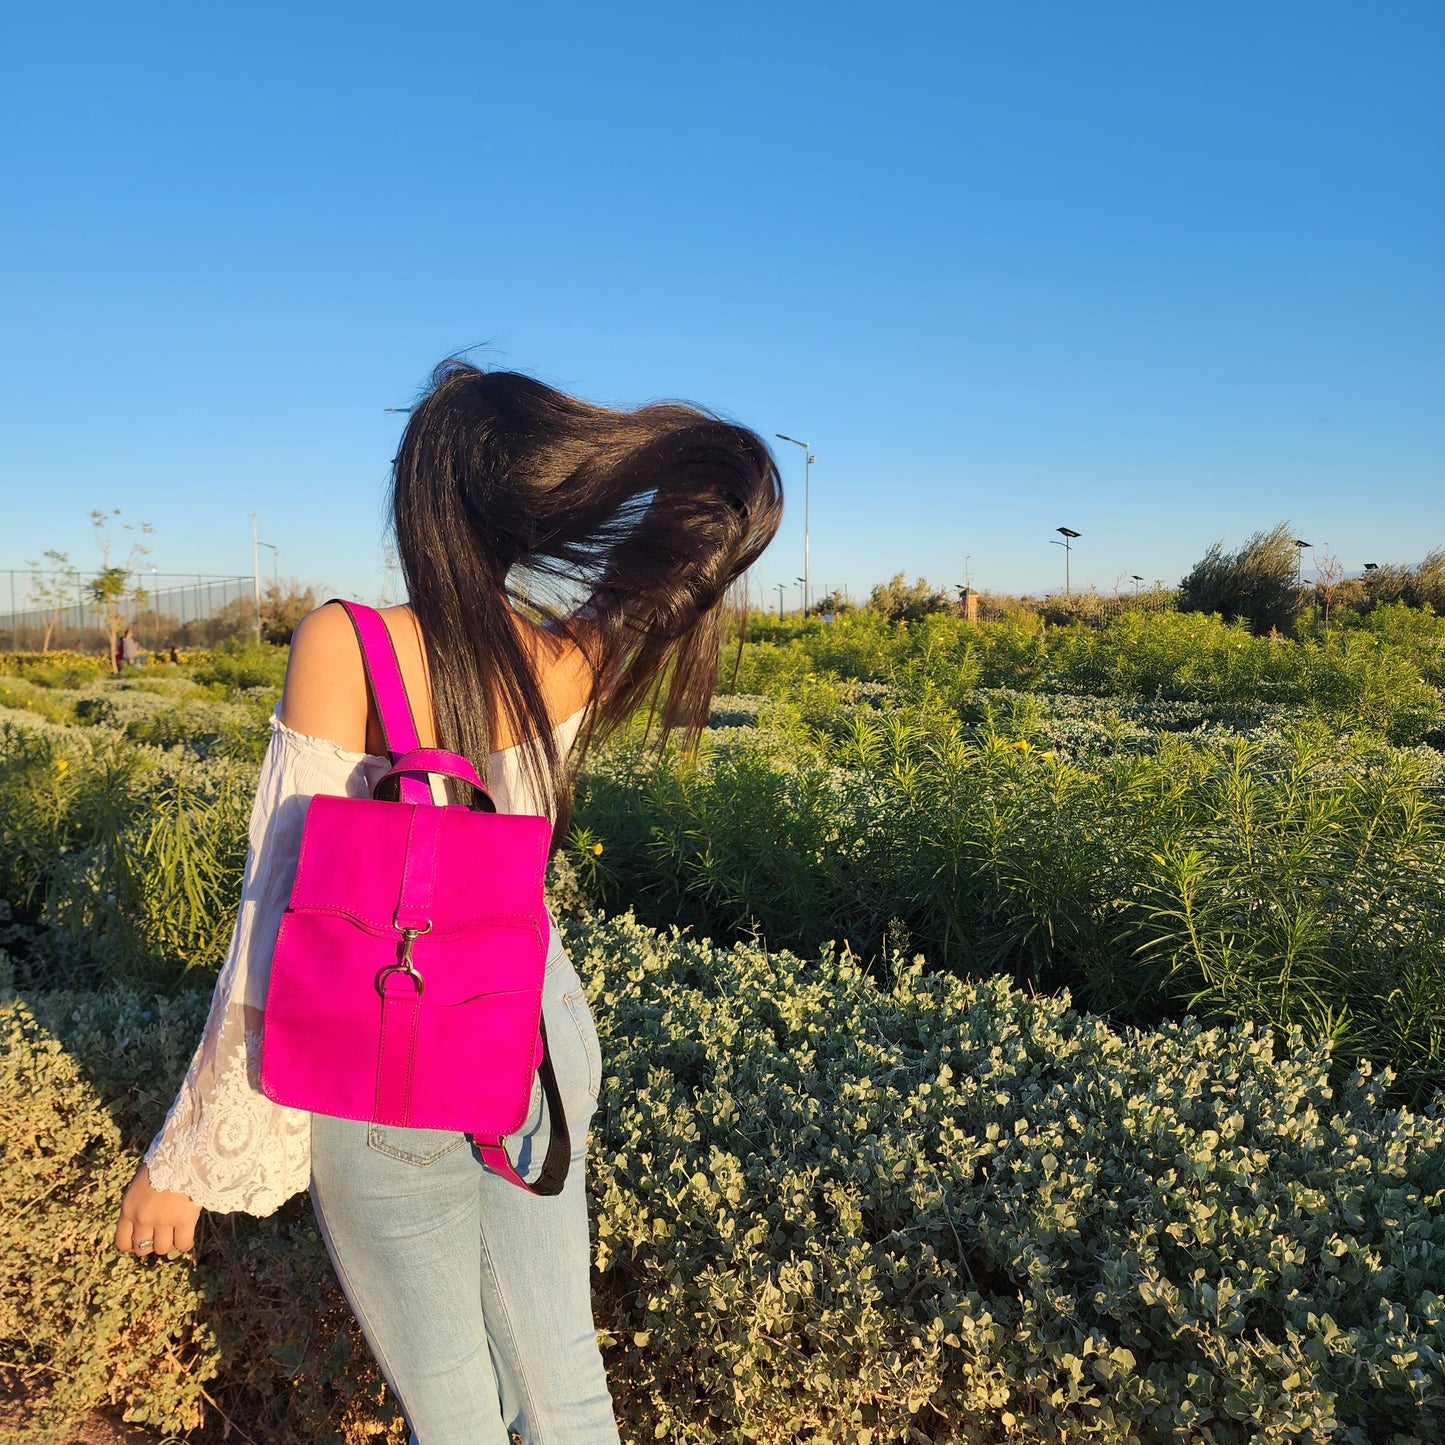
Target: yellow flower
x=61, y=765
x=597, y=848
x=1022, y=744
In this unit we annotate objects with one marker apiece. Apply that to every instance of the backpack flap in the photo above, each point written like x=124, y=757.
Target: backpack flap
x=416, y=937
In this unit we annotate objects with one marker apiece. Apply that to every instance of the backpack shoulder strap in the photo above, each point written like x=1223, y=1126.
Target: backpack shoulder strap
x=388, y=692
x=383, y=679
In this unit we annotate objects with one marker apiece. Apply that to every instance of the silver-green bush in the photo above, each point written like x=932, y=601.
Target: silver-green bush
x=829, y=1207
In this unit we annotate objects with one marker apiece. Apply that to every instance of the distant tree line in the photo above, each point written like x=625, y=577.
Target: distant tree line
x=1259, y=585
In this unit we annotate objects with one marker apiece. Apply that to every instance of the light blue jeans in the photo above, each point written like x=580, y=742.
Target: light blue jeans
x=475, y=1296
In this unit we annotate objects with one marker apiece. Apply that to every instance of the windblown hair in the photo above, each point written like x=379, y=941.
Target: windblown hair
x=622, y=530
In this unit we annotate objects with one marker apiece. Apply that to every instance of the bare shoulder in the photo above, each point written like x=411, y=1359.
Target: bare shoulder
x=563, y=669
x=325, y=692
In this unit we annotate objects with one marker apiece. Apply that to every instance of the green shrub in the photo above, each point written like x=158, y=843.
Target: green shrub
x=255, y=1331
x=1381, y=675
x=128, y=859
x=1315, y=863
x=236, y=665
x=81, y=1325
x=831, y=1209
x=828, y=1206
x=22, y=695
x=1257, y=585
x=50, y=665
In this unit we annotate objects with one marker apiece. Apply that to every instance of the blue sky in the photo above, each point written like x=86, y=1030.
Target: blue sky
x=1160, y=273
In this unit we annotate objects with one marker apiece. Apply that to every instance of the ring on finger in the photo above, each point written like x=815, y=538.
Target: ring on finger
x=141, y=1244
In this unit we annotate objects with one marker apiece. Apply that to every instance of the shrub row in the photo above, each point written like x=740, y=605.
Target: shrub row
x=66, y=667
x=117, y=860
x=1383, y=675
x=828, y=1206
x=1290, y=878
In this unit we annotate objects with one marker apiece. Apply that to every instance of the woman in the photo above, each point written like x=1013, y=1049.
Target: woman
x=508, y=498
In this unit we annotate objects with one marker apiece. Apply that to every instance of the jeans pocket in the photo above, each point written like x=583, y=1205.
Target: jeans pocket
x=581, y=1012
x=413, y=1146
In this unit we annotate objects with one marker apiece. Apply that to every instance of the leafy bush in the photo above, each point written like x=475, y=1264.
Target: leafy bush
x=1095, y=609
x=256, y=1331
x=243, y=664
x=930, y=1210
x=23, y=695
x=1422, y=585
x=81, y=1325
x=1257, y=585
x=1383, y=674
x=127, y=859
x=51, y=665
x=1292, y=879
x=903, y=601
x=828, y=1206
x=1352, y=679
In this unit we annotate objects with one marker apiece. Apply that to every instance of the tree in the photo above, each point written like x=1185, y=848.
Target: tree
x=834, y=602
x=1329, y=573
x=1254, y=585
x=907, y=602
x=1427, y=582
x=283, y=605
x=112, y=582
x=52, y=590
x=1422, y=585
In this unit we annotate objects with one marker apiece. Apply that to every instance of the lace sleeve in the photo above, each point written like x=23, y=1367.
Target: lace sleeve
x=224, y=1143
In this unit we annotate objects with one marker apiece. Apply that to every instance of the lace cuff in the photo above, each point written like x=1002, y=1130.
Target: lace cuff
x=224, y=1143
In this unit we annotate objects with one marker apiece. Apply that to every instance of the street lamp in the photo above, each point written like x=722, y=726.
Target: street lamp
x=1068, y=534
x=1136, y=579
x=809, y=459
x=1299, y=562
x=803, y=587
x=256, y=572
x=404, y=410
x=275, y=565
x=782, y=587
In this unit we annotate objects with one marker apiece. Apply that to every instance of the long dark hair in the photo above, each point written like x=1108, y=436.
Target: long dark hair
x=623, y=530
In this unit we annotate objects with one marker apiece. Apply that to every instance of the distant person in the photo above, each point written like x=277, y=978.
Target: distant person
x=473, y=1295
x=175, y=656
x=129, y=649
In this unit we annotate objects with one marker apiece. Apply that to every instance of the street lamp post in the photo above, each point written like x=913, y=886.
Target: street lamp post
x=1068, y=534
x=1299, y=562
x=256, y=572
x=1136, y=579
x=803, y=588
x=782, y=587
x=808, y=460
x=275, y=565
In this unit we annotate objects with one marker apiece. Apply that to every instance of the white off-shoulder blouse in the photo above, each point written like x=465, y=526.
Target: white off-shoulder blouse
x=224, y=1143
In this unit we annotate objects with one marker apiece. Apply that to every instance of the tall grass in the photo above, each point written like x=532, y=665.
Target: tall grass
x=118, y=862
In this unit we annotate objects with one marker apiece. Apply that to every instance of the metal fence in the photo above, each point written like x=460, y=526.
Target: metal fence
x=163, y=610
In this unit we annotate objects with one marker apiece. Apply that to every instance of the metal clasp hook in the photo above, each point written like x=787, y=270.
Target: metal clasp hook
x=408, y=937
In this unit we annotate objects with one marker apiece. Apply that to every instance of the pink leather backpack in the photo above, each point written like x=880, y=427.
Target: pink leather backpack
x=406, y=985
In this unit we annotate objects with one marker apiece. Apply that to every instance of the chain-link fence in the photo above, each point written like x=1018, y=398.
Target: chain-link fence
x=54, y=610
